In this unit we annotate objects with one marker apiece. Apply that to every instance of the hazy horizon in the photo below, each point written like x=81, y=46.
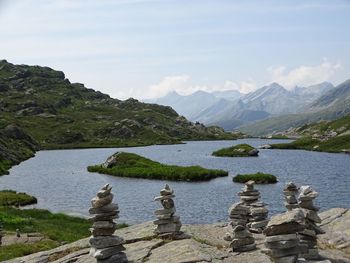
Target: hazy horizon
x=148, y=48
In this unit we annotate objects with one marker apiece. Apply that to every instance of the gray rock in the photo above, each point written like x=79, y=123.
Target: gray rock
x=254, y=152
x=103, y=253
x=286, y=223
x=105, y=241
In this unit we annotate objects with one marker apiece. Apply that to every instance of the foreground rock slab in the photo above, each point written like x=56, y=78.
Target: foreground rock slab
x=206, y=245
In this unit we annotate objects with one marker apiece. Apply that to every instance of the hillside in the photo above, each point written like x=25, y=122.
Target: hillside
x=332, y=105
x=15, y=147
x=333, y=136
x=58, y=114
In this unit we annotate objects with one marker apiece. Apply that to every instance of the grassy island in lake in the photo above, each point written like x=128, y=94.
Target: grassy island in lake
x=133, y=165
x=10, y=197
x=240, y=150
x=258, y=178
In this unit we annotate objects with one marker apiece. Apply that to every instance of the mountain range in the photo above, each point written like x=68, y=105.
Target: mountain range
x=231, y=109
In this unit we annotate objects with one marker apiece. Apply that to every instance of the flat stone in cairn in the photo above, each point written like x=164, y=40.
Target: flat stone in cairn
x=308, y=237
x=290, y=195
x=168, y=224
x=257, y=217
x=281, y=242
x=105, y=246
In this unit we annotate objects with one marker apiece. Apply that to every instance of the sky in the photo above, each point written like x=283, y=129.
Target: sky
x=147, y=48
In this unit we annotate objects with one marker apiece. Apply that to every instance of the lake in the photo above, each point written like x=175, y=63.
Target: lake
x=60, y=181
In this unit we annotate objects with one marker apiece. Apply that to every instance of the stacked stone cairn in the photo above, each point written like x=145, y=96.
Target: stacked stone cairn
x=105, y=246
x=168, y=224
x=308, y=237
x=282, y=242
x=257, y=216
x=239, y=236
x=290, y=195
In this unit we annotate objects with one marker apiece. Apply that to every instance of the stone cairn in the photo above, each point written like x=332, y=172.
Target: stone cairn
x=168, y=224
x=290, y=195
x=241, y=239
x=308, y=238
x=105, y=247
x=257, y=216
x=282, y=242
x=239, y=236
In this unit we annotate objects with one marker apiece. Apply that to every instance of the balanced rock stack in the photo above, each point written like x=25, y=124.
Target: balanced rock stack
x=238, y=214
x=290, y=195
x=239, y=236
x=308, y=238
x=257, y=217
x=105, y=246
x=242, y=240
x=168, y=224
x=282, y=242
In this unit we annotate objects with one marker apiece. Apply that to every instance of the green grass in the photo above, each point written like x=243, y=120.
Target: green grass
x=305, y=143
x=259, y=178
x=240, y=150
x=56, y=228
x=334, y=145
x=9, y=197
x=20, y=250
x=133, y=165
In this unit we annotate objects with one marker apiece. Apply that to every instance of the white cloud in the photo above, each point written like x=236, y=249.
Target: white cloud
x=303, y=75
x=183, y=86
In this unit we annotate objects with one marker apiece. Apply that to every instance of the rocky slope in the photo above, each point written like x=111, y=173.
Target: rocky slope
x=205, y=245
x=15, y=146
x=331, y=136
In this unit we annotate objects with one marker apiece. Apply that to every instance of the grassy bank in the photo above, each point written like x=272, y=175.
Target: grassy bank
x=56, y=228
x=333, y=145
x=9, y=198
x=258, y=178
x=133, y=165
x=240, y=150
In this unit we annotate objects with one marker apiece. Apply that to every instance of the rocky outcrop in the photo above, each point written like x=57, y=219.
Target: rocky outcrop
x=206, y=245
x=336, y=225
x=15, y=147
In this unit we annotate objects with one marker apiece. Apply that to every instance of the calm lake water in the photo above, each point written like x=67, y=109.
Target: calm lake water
x=61, y=183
